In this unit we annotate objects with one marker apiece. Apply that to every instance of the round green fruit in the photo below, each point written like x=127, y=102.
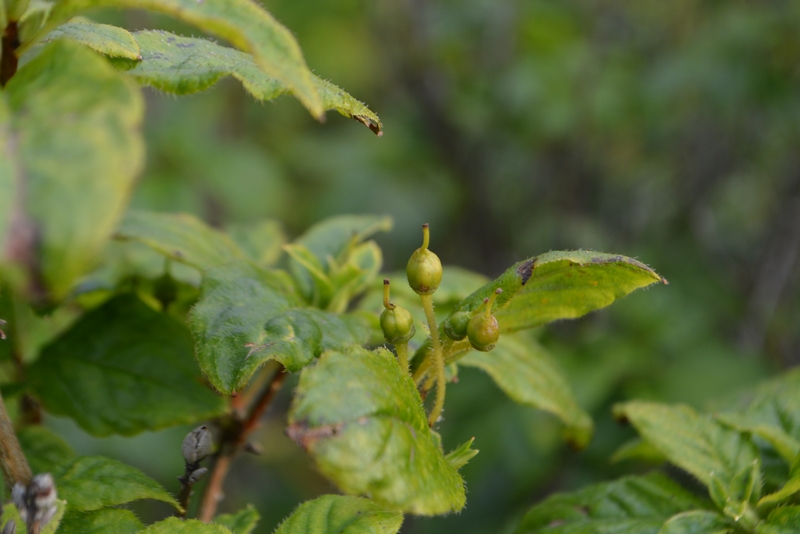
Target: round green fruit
x=456, y=325
x=424, y=271
x=397, y=325
x=483, y=332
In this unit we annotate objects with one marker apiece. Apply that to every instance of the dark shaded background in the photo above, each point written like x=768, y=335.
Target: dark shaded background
x=667, y=131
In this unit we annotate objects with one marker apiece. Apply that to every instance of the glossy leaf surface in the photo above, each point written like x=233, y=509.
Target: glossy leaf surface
x=247, y=316
x=121, y=369
x=341, y=514
x=371, y=436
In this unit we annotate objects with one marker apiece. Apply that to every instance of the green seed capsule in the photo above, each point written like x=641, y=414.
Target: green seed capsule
x=483, y=332
x=397, y=325
x=483, y=329
x=424, y=269
x=456, y=325
x=396, y=322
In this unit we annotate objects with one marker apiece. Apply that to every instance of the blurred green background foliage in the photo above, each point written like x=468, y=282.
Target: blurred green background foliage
x=667, y=131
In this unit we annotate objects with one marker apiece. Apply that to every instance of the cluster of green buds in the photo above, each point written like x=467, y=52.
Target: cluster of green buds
x=424, y=273
x=482, y=328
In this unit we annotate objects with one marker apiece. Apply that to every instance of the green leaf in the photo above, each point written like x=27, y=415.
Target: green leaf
x=461, y=455
x=638, y=449
x=76, y=126
x=106, y=39
x=372, y=437
x=10, y=512
x=92, y=482
x=243, y=23
x=333, y=238
x=341, y=514
x=104, y=521
x=773, y=414
x=54, y=524
x=630, y=505
x=783, y=520
x=352, y=277
x=242, y=522
x=262, y=242
x=33, y=19
x=527, y=374
x=180, y=237
x=15, y=9
x=123, y=368
x=567, y=285
x=247, y=316
x=791, y=488
x=693, y=442
x=43, y=449
x=186, y=65
x=696, y=522
x=173, y=525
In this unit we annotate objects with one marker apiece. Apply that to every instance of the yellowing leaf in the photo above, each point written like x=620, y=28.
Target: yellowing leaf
x=361, y=419
x=108, y=40
x=567, y=285
x=75, y=124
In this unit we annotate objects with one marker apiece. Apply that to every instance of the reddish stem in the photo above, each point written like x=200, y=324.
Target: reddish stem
x=233, y=443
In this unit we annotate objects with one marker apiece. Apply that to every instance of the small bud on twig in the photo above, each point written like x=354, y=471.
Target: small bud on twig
x=196, y=475
x=36, y=503
x=253, y=448
x=197, y=445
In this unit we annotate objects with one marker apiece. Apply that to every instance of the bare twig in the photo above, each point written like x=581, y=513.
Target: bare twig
x=15, y=466
x=8, y=60
x=233, y=442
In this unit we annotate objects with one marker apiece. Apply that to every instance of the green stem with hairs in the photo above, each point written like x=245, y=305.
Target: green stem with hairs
x=402, y=356
x=438, y=359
